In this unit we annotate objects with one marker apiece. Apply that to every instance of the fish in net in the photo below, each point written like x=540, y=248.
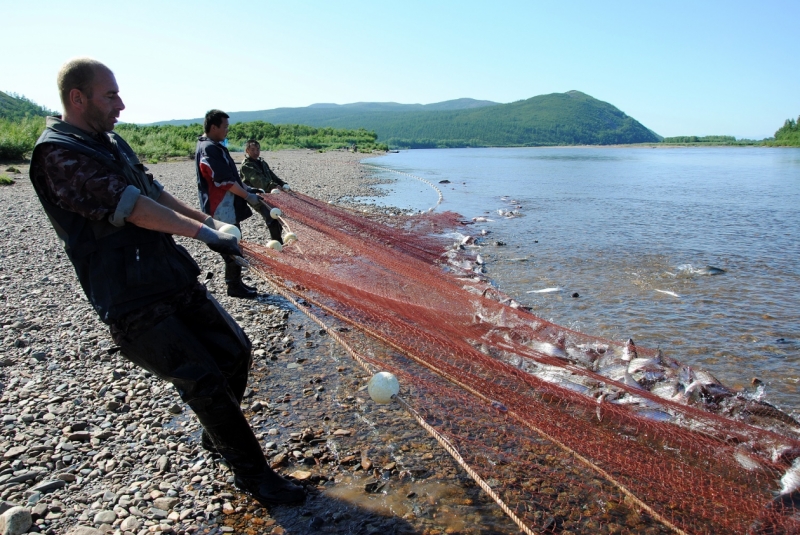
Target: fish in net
x=568, y=432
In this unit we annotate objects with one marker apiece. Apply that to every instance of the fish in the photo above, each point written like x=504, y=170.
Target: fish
x=673, y=294
x=639, y=364
x=545, y=290
x=790, y=481
x=654, y=414
x=710, y=270
x=747, y=462
x=688, y=269
x=629, y=352
x=615, y=371
x=549, y=349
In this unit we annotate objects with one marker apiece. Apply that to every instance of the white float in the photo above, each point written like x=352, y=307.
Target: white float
x=382, y=387
x=233, y=230
x=275, y=213
x=290, y=237
x=275, y=244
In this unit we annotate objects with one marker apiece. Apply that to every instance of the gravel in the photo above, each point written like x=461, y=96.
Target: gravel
x=91, y=444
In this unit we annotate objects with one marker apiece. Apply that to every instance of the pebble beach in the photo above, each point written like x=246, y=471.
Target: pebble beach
x=91, y=444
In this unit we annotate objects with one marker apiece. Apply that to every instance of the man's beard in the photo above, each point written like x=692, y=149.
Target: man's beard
x=99, y=121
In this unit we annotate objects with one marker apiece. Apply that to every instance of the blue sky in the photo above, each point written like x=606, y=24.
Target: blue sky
x=680, y=68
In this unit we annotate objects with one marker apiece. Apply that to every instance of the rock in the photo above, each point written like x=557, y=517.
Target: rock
x=300, y=475
x=15, y=521
x=14, y=452
x=105, y=517
x=69, y=478
x=130, y=524
x=175, y=409
x=84, y=530
x=48, y=486
x=163, y=464
x=79, y=436
x=158, y=513
x=165, y=503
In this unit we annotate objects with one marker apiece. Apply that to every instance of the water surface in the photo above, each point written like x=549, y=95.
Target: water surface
x=616, y=224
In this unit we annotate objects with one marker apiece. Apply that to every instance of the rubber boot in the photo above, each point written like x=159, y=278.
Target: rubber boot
x=251, y=473
x=275, y=230
x=273, y=225
x=233, y=278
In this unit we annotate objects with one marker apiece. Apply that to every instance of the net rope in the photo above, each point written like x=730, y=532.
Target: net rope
x=519, y=402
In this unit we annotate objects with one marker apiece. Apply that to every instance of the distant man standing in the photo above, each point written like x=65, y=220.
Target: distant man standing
x=223, y=195
x=117, y=223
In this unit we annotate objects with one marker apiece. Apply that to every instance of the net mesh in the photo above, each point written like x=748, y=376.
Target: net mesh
x=574, y=433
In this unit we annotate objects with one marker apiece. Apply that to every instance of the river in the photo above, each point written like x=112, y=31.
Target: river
x=630, y=231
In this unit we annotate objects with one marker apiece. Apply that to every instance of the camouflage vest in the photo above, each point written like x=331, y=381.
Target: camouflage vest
x=121, y=269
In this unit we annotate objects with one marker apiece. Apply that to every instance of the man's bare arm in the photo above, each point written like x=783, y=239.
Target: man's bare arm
x=168, y=200
x=153, y=215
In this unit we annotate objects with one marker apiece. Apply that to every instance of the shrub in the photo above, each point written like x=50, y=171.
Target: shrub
x=17, y=138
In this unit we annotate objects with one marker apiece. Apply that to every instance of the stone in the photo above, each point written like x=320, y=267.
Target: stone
x=15, y=521
x=49, y=486
x=300, y=475
x=130, y=524
x=14, y=452
x=163, y=464
x=84, y=530
x=105, y=517
x=165, y=503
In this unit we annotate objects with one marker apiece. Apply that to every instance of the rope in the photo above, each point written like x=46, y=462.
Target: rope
x=448, y=447
x=429, y=183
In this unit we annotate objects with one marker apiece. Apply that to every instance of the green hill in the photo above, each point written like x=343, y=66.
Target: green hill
x=325, y=114
x=571, y=118
x=21, y=122
x=16, y=107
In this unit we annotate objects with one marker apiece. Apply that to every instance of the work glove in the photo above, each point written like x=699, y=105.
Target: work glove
x=213, y=223
x=254, y=200
x=219, y=242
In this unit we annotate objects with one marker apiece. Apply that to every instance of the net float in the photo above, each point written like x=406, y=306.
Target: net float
x=290, y=237
x=382, y=387
x=275, y=244
x=233, y=230
x=275, y=213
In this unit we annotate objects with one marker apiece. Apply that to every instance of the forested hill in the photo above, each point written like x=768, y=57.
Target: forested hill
x=571, y=118
x=328, y=114
x=14, y=107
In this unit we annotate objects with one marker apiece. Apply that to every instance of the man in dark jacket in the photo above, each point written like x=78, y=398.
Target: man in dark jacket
x=255, y=172
x=117, y=223
x=223, y=196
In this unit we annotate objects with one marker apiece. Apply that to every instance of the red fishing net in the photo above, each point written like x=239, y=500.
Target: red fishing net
x=571, y=432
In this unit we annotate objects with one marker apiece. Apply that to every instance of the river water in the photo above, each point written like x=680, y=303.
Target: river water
x=616, y=225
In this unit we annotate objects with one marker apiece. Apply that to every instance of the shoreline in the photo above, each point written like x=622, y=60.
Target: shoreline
x=92, y=441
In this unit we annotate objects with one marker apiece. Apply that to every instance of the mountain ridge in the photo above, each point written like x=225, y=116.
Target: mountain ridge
x=571, y=118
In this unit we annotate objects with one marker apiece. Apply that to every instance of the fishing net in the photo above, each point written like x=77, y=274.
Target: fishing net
x=569, y=433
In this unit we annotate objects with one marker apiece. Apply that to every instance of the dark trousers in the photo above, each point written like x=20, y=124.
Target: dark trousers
x=203, y=352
